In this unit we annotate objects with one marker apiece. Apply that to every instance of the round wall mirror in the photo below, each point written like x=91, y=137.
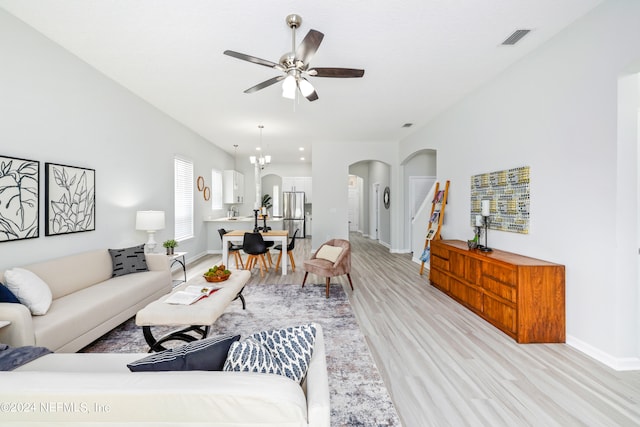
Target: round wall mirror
x=386, y=198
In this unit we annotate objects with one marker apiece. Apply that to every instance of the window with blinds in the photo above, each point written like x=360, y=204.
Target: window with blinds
x=216, y=189
x=183, y=199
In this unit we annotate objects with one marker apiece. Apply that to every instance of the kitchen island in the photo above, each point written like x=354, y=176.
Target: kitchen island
x=214, y=243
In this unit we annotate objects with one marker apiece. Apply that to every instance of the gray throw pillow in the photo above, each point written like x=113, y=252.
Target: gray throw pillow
x=128, y=260
x=202, y=355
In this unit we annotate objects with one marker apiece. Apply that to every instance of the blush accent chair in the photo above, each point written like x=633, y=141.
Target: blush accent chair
x=233, y=249
x=328, y=261
x=290, y=247
x=254, y=246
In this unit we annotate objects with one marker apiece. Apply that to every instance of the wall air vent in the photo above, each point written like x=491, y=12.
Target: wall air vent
x=515, y=37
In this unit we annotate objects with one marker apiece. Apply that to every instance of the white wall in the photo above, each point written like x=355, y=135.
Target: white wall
x=556, y=111
x=330, y=185
x=56, y=108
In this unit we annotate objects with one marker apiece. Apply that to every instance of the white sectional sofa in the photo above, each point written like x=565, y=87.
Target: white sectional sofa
x=87, y=301
x=91, y=388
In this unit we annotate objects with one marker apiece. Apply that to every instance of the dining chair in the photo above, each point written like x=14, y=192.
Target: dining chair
x=233, y=248
x=290, y=248
x=254, y=246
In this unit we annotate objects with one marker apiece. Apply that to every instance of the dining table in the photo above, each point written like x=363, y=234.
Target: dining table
x=278, y=236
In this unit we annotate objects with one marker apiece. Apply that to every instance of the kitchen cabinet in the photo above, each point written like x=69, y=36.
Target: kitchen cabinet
x=523, y=297
x=298, y=183
x=232, y=187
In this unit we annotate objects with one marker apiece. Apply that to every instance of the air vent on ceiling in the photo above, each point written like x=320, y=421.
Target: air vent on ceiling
x=407, y=125
x=515, y=37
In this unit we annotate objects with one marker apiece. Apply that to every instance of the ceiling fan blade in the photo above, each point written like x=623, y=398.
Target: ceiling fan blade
x=309, y=46
x=335, y=72
x=252, y=59
x=264, y=84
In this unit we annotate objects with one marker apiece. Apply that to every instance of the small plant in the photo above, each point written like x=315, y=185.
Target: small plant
x=170, y=244
x=266, y=201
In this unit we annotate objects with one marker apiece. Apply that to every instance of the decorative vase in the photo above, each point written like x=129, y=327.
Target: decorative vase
x=169, y=251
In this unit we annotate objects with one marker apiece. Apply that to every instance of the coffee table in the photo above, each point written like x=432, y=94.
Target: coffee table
x=197, y=317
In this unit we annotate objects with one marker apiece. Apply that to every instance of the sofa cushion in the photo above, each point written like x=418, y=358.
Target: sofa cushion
x=250, y=356
x=202, y=355
x=96, y=305
x=128, y=260
x=68, y=274
x=31, y=290
x=330, y=253
x=7, y=296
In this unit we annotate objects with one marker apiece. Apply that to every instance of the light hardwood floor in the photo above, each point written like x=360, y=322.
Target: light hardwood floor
x=444, y=366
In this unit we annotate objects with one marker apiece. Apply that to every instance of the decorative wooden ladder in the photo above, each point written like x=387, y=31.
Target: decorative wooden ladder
x=435, y=221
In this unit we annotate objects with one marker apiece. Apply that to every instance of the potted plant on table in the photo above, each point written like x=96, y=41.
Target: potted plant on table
x=170, y=245
x=266, y=201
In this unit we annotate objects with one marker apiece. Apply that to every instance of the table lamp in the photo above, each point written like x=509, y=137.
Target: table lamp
x=486, y=215
x=150, y=221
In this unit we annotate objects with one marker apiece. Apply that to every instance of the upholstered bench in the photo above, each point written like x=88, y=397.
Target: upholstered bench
x=197, y=317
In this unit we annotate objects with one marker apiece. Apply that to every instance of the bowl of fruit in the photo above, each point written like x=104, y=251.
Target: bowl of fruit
x=217, y=273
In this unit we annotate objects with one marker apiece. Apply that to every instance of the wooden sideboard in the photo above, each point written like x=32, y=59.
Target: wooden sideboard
x=524, y=297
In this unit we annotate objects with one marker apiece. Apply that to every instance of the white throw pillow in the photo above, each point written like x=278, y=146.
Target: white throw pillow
x=330, y=253
x=31, y=290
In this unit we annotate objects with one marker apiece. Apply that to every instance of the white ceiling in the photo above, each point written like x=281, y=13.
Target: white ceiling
x=419, y=57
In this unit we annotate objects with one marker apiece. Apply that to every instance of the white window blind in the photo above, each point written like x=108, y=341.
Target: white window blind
x=183, y=196
x=216, y=189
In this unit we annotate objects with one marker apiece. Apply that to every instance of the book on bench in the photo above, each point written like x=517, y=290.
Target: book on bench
x=190, y=294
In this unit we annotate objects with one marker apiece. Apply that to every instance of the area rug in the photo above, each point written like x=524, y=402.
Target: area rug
x=358, y=394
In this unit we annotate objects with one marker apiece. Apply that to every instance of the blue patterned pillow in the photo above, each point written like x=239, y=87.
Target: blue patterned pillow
x=251, y=356
x=292, y=347
x=208, y=354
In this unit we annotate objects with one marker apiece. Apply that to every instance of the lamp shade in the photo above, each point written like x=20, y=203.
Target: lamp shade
x=150, y=220
x=305, y=87
x=486, y=207
x=289, y=87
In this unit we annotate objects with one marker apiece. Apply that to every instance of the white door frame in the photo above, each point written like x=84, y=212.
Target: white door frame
x=376, y=211
x=419, y=187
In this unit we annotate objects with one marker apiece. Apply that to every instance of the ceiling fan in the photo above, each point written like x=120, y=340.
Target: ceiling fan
x=295, y=65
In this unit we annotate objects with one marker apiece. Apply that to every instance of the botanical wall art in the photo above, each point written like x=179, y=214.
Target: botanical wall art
x=19, y=195
x=70, y=195
x=508, y=191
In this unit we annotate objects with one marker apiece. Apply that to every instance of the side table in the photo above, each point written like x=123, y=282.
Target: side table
x=178, y=257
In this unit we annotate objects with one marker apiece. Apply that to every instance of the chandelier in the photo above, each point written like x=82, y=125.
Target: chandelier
x=261, y=160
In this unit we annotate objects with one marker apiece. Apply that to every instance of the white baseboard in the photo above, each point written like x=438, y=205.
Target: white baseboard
x=385, y=244
x=418, y=261
x=617, y=363
x=400, y=251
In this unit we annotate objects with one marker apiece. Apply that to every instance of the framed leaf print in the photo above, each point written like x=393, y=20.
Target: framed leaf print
x=70, y=196
x=19, y=196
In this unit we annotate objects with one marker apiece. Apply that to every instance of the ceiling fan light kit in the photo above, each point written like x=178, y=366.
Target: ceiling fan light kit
x=294, y=65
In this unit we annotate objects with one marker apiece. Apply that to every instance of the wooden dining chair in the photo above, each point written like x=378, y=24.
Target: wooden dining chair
x=233, y=248
x=254, y=246
x=290, y=248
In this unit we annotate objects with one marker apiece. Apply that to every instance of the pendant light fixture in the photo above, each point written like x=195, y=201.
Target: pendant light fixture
x=260, y=160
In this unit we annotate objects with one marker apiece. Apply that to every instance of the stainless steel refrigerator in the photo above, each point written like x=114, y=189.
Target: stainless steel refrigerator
x=293, y=212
